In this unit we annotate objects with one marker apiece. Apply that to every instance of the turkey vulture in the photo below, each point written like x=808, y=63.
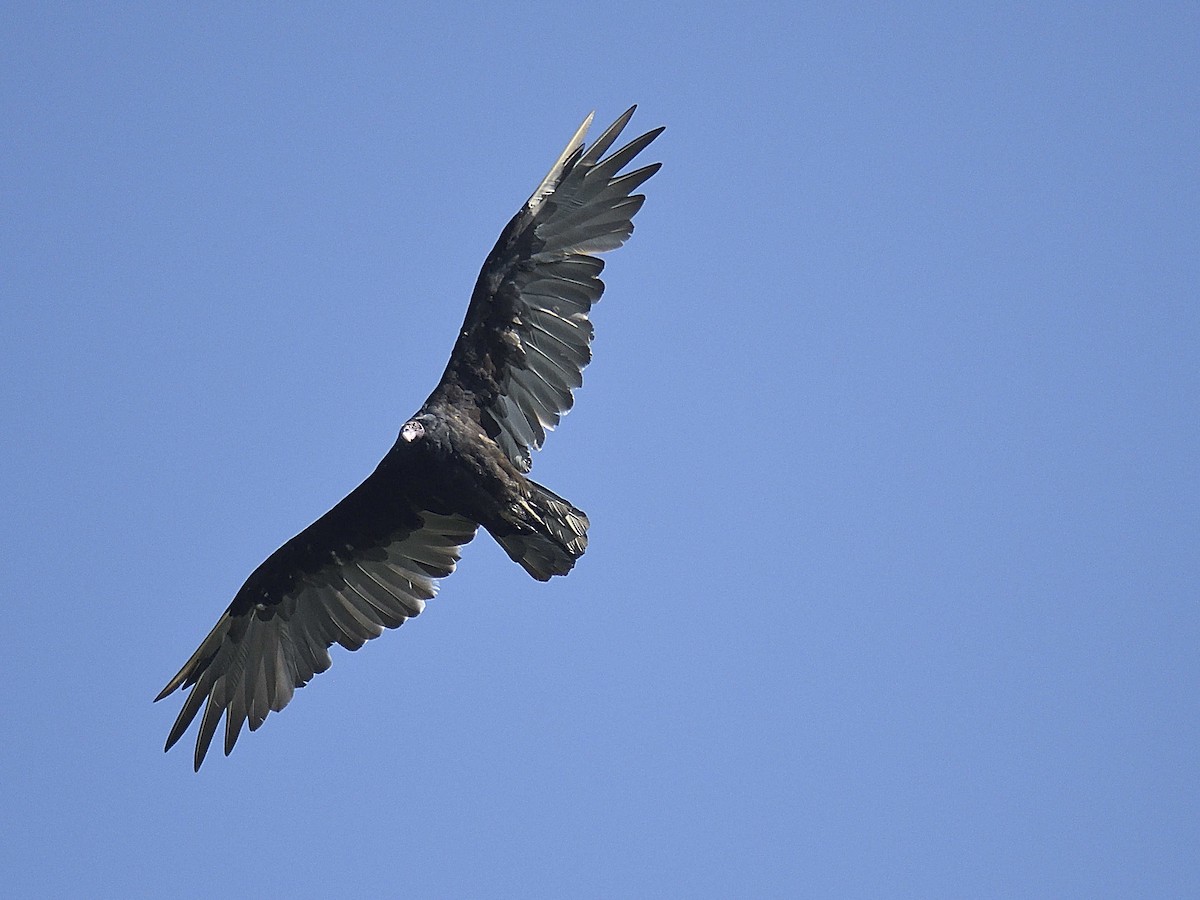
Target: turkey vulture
x=373, y=560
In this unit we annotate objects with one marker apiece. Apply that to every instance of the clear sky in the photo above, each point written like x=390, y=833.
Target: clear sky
x=889, y=447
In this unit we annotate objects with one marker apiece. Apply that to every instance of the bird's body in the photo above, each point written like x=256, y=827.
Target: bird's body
x=459, y=463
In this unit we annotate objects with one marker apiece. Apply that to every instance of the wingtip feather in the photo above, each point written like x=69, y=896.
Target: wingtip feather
x=606, y=140
x=574, y=146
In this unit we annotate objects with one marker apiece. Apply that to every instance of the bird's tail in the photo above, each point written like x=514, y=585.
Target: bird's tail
x=551, y=534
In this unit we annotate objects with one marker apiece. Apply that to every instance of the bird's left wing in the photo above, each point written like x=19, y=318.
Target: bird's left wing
x=343, y=580
x=525, y=340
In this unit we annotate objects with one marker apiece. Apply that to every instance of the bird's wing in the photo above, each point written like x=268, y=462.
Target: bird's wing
x=362, y=567
x=525, y=340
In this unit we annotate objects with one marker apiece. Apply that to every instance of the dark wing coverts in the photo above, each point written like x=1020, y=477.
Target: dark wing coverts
x=525, y=340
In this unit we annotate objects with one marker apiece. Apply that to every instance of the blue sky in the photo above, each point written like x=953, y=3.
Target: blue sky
x=889, y=446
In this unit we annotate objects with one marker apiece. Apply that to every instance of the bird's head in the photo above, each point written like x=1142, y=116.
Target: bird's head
x=412, y=430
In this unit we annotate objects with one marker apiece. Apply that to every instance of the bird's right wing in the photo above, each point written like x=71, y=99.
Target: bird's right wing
x=525, y=340
x=342, y=581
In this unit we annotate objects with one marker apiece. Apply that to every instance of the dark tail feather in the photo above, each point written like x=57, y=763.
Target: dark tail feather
x=551, y=534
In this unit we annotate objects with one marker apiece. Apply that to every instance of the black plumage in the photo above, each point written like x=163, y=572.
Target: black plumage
x=373, y=560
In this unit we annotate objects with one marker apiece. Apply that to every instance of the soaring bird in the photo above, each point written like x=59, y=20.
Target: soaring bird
x=460, y=462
